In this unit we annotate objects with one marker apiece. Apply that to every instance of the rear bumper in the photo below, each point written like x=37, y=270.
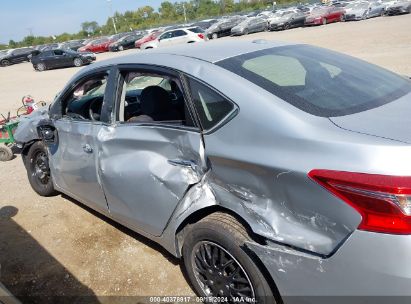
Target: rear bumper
x=367, y=265
x=276, y=27
x=352, y=17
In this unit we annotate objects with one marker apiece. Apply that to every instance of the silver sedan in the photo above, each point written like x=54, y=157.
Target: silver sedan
x=277, y=172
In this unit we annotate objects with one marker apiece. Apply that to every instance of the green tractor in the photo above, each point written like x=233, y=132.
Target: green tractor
x=7, y=128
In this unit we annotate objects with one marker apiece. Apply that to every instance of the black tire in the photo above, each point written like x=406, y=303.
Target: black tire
x=225, y=233
x=38, y=170
x=6, y=153
x=286, y=26
x=77, y=62
x=41, y=67
x=5, y=63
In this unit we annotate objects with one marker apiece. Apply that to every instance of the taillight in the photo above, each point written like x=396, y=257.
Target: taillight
x=383, y=201
x=201, y=36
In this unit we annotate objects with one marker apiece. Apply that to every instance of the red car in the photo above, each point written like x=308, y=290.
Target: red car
x=147, y=38
x=324, y=15
x=96, y=46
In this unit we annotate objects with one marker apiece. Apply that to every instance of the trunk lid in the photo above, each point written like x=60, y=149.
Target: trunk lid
x=392, y=120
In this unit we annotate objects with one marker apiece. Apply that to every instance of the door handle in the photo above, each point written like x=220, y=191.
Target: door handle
x=183, y=163
x=87, y=148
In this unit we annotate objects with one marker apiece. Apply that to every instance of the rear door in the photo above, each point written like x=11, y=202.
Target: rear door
x=153, y=153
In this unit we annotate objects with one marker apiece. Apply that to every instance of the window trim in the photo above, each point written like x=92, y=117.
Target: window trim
x=56, y=109
x=154, y=69
x=225, y=120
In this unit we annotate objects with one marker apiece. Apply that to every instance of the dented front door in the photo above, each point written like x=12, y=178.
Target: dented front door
x=146, y=170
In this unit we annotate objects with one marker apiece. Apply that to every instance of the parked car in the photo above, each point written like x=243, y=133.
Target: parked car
x=149, y=37
x=324, y=15
x=205, y=24
x=72, y=45
x=60, y=58
x=223, y=27
x=287, y=20
x=400, y=7
x=363, y=10
x=321, y=193
x=124, y=43
x=250, y=25
x=15, y=56
x=176, y=36
x=96, y=46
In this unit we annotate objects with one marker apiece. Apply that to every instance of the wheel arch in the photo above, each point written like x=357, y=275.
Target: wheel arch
x=204, y=212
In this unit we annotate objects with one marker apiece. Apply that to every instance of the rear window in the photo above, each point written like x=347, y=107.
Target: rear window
x=196, y=30
x=319, y=81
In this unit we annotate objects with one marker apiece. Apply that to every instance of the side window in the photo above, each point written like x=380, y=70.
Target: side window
x=85, y=101
x=153, y=98
x=167, y=35
x=58, y=52
x=211, y=106
x=179, y=33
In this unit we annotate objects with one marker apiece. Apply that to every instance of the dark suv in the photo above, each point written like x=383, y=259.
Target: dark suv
x=16, y=56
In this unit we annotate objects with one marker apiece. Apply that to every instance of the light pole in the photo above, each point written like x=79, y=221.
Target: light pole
x=112, y=15
x=185, y=14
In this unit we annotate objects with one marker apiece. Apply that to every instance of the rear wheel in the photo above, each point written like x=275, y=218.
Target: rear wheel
x=78, y=62
x=38, y=170
x=6, y=153
x=218, y=266
x=41, y=67
x=5, y=62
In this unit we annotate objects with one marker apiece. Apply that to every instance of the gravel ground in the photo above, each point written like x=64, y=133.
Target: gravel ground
x=55, y=247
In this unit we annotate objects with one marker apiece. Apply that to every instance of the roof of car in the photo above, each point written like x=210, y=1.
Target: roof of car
x=211, y=51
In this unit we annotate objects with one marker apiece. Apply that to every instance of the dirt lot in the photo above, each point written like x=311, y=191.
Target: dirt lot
x=56, y=247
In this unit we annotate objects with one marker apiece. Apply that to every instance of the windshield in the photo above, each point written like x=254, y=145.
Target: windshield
x=319, y=81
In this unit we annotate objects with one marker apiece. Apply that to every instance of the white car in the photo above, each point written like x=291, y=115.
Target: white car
x=176, y=36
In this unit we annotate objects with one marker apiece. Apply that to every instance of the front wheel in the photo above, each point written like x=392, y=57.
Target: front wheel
x=121, y=48
x=41, y=67
x=214, y=36
x=218, y=266
x=38, y=170
x=324, y=21
x=78, y=62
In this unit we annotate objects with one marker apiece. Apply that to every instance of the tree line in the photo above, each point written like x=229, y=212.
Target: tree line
x=147, y=17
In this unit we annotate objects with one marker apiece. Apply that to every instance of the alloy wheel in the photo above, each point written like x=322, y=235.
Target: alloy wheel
x=78, y=62
x=41, y=167
x=5, y=62
x=219, y=274
x=41, y=67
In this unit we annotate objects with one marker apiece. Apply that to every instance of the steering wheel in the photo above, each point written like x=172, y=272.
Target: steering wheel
x=92, y=113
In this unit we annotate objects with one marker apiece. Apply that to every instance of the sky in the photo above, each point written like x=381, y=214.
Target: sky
x=52, y=17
